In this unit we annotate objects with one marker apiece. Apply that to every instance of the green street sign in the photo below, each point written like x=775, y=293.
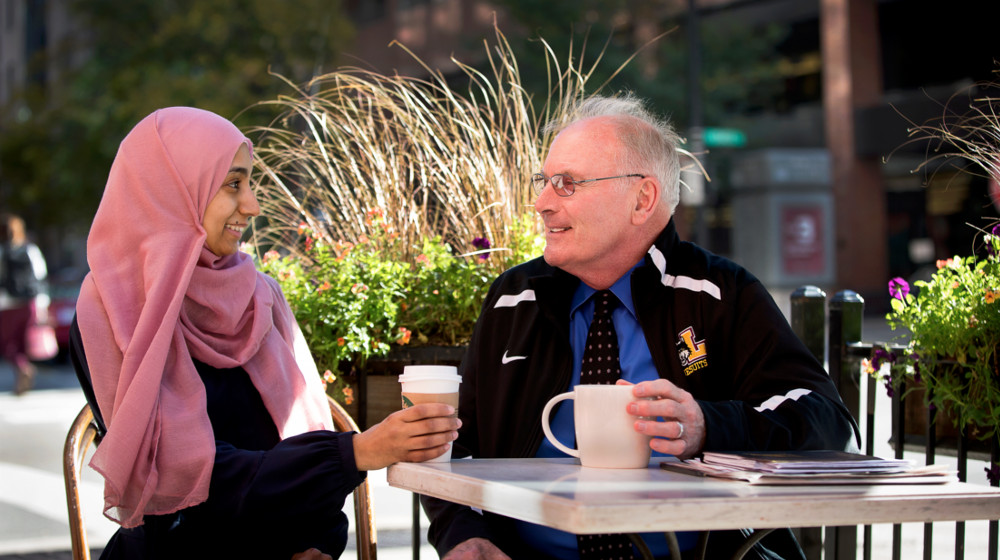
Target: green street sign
x=724, y=138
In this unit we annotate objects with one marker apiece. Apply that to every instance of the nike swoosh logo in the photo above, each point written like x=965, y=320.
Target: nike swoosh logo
x=508, y=359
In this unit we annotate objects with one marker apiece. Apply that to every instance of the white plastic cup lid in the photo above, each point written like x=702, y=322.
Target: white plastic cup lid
x=430, y=373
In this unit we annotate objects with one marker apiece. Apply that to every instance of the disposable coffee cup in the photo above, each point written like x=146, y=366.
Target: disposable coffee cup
x=431, y=384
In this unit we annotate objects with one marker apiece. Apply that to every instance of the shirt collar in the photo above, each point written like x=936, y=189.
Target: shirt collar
x=622, y=288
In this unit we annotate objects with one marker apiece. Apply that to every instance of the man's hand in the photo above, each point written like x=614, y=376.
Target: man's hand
x=676, y=407
x=475, y=549
x=414, y=434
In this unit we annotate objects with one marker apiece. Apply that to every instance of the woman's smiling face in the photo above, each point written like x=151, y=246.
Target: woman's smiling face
x=229, y=212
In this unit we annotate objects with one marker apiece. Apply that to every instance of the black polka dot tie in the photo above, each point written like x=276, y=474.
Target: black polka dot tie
x=601, y=367
x=600, y=356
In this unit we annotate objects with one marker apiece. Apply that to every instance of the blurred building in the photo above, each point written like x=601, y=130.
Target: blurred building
x=34, y=56
x=812, y=194
x=801, y=191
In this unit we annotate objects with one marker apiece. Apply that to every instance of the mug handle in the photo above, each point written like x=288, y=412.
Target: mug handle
x=548, y=431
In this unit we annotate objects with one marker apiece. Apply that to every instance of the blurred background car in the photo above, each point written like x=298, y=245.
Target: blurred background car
x=64, y=289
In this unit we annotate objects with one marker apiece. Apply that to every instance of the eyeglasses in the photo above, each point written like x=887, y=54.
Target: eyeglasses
x=564, y=185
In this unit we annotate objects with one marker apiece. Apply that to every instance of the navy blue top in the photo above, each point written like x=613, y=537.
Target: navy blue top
x=267, y=498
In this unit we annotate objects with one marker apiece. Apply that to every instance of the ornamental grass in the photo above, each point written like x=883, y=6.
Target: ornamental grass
x=389, y=203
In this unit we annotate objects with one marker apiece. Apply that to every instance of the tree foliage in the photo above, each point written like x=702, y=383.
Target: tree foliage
x=740, y=64
x=57, y=145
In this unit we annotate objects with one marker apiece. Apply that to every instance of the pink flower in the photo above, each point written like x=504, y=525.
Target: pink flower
x=898, y=288
x=404, y=335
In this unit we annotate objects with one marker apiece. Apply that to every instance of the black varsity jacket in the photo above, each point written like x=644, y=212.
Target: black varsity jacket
x=712, y=329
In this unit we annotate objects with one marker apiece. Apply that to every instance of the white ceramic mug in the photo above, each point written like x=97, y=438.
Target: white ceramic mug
x=605, y=431
x=431, y=384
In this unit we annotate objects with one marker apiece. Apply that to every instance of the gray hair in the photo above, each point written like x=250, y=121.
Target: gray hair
x=650, y=141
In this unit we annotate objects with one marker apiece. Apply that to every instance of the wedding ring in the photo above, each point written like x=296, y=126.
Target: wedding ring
x=680, y=434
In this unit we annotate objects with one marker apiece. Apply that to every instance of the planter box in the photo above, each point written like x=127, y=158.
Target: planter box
x=946, y=434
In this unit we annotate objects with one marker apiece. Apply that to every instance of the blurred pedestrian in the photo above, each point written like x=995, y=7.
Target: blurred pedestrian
x=22, y=299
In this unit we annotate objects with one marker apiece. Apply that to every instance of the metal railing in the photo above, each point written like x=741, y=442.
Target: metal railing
x=842, y=350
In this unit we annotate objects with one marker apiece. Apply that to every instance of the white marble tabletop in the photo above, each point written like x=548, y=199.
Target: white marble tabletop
x=560, y=493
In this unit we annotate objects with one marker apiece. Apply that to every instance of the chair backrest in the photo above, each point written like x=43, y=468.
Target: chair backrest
x=82, y=434
x=364, y=515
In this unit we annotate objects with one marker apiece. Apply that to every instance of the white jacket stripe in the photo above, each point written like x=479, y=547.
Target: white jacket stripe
x=773, y=402
x=513, y=300
x=685, y=282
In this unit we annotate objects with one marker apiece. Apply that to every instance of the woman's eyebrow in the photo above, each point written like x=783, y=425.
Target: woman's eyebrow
x=239, y=170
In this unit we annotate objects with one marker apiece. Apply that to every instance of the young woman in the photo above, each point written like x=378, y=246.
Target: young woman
x=219, y=438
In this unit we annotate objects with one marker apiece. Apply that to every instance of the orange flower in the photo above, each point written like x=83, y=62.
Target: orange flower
x=341, y=341
x=404, y=306
x=866, y=366
x=373, y=215
x=954, y=285
x=329, y=377
x=943, y=263
x=348, y=395
x=404, y=335
x=271, y=255
x=326, y=286
x=422, y=259
x=363, y=238
x=303, y=227
x=992, y=296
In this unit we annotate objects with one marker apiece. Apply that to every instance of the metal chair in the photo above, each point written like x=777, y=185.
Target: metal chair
x=82, y=434
x=364, y=517
x=85, y=432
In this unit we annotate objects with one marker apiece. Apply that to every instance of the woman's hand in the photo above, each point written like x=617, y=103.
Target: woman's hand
x=414, y=434
x=476, y=549
x=312, y=554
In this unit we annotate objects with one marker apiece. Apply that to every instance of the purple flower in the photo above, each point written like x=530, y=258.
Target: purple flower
x=898, y=288
x=993, y=474
x=482, y=244
x=916, y=366
x=882, y=355
x=991, y=247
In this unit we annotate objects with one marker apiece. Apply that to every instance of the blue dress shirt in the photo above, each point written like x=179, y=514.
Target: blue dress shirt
x=637, y=365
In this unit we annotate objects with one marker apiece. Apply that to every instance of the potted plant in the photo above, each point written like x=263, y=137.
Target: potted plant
x=364, y=304
x=952, y=354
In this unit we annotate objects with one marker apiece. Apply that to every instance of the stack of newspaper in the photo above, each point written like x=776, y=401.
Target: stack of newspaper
x=811, y=467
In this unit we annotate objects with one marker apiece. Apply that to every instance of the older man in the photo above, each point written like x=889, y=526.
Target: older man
x=694, y=330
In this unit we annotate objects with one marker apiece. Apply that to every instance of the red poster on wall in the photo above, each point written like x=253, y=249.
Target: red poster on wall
x=802, y=243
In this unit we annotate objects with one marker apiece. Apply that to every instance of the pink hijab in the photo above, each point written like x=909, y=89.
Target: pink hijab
x=156, y=297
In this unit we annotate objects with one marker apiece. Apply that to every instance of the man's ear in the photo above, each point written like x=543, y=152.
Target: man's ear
x=647, y=198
